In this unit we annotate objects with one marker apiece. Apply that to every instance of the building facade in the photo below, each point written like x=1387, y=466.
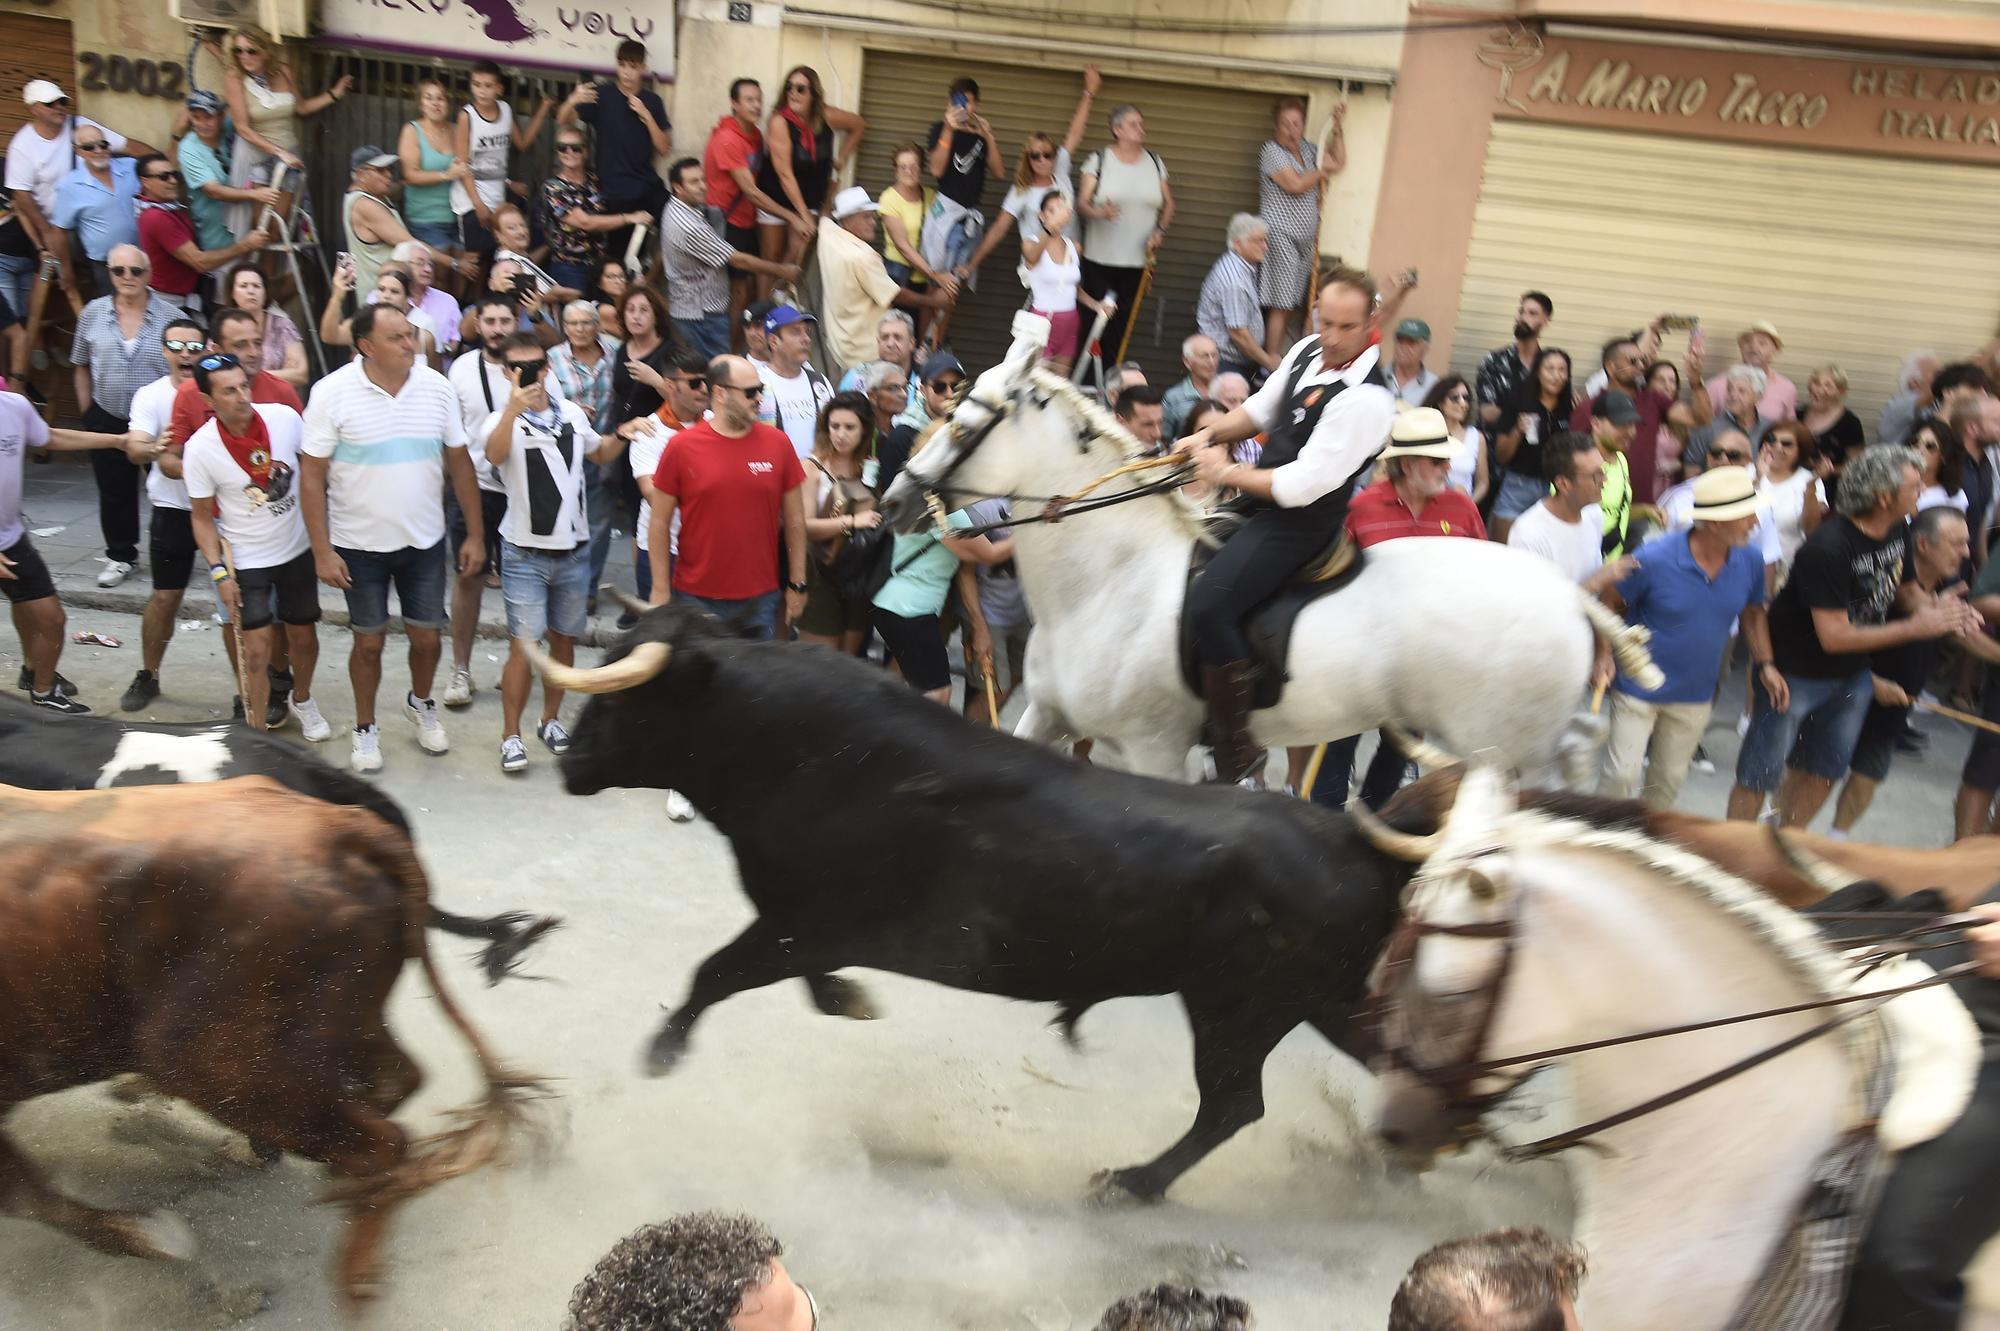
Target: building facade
x=1834, y=170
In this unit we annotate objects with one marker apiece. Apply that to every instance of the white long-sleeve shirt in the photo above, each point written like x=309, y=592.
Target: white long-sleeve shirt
x=1351, y=429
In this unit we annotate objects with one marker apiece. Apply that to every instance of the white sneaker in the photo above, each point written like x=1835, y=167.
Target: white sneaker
x=513, y=754
x=423, y=714
x=311, y=724
x=678, y=808
x=115, y=572
x=459, y=692
x=367, y=750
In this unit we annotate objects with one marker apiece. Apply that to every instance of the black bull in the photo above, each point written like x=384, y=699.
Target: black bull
x=41, y=751
x=874, y=828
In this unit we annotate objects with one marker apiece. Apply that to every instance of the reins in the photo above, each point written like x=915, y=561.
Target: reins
x=1057, y=507
x=1454, y=1080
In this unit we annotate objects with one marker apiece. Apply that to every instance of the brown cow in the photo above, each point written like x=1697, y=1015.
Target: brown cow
x=235, y=943
x=1963, y=873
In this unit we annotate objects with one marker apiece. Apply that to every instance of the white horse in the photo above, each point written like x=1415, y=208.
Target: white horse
x=1527, y=932
x=1474, y=644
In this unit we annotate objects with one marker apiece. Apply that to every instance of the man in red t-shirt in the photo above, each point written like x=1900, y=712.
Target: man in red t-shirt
x=166, y=233
x=729, y=164
x=737, y=485
x=234, y=331
x=1414, y=500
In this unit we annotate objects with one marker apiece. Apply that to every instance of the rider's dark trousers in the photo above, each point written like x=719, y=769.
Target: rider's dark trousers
x=1251, y=567
x=1942, y=1202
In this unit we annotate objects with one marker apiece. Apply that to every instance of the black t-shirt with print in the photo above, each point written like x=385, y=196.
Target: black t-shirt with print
x=1840, y=567
x=965, y=174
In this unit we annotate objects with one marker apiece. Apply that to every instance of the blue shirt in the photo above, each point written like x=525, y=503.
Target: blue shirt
x=100, y=217
x=202, y=165
x=1689, y=613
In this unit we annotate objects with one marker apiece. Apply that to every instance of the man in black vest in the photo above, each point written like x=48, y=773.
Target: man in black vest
x=1324, y=415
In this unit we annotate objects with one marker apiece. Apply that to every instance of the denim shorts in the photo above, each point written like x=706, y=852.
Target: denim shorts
x=417, y=575
x=1816, y=733
x=709, y=334
x=439, y=236
x=755, y=618
x=546, y=591
x=1518, y=494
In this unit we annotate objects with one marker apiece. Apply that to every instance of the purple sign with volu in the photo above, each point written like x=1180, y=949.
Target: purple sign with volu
x=554, y=34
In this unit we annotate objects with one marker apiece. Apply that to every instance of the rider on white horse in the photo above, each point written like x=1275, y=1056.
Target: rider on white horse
x=1324, y=414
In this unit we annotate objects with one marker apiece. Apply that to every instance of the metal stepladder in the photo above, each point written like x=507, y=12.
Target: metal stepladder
x=297, y=229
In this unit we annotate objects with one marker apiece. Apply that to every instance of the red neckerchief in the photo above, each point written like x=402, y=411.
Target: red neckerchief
x=803, y=139
x=1374, y=340
x=252, y=450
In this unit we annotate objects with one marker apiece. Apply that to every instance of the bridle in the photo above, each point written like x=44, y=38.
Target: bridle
x=1054, y=508
x=1456, y=1078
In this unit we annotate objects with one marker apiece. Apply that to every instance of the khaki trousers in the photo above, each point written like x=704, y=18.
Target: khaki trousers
x=1654, y=742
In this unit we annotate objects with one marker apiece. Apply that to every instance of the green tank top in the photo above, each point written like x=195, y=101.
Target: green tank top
x=428, y=203
x=369, y=255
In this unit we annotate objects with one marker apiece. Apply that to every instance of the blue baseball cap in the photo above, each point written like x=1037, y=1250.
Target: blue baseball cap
x=785, y=315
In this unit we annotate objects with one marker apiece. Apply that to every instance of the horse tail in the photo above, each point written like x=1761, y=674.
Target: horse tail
x=1628, y=643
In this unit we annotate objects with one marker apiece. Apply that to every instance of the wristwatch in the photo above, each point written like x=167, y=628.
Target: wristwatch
x=791, y=586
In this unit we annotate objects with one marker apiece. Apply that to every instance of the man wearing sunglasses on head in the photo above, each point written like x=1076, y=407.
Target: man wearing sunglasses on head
x=738, y=486
x=166, y=233
x=40, y=154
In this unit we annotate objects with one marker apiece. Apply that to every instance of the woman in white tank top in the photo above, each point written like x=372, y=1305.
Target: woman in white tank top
x=1052, y=269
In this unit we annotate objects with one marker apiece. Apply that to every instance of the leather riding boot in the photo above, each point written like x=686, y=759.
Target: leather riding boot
x=1231, y=691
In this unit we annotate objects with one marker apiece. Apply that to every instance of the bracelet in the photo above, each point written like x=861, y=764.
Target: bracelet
x=218, y=573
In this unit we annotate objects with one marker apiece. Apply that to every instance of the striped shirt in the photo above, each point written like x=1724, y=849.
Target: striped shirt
x=1229, y=300
x=385, y=489
x=697, y=262
x=116, y=370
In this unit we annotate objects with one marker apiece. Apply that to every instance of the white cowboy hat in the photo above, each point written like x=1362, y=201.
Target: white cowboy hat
x=1724, y=493
x=1420, y=433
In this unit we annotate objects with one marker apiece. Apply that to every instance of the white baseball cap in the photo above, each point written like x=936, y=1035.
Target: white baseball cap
x=39, y=92
x=854, y=199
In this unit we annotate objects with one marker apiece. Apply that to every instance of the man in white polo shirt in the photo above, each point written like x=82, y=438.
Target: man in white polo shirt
x=538, y=445
x=241, y=470
x=382, y=433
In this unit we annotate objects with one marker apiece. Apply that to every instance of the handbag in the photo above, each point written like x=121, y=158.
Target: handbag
x=859, y=564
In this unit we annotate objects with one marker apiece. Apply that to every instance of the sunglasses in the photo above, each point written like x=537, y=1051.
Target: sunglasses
x=946, y=385
x=798, y=87
x=691, y=380
x=569, y=147
x=60, y=101
x=210, y=364
x=1728, y=455
x=122, y=270
x=163, y=175
x=1459, y=397
x=1037, y=155
x=248, y=50
x=175, y=344
x=102, y=145
x=749, y=394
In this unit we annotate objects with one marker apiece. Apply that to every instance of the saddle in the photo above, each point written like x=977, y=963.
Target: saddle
x=1269, y=626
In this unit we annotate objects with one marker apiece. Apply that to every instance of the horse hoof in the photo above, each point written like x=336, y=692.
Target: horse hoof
x=1121, y=1188
x=669, y=1048
x=838, y=997
x=160, y=1234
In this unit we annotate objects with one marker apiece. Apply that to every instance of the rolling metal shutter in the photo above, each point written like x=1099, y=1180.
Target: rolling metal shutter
x=1208, y=138
x=32, y=47
x=1857, y=260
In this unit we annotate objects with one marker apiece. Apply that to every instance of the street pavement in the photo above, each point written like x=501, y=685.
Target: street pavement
x=926, y=1170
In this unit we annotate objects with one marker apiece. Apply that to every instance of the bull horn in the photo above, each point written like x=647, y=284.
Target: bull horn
x=1420, y=751
x=1826, y=877
x=1402, y=845
x=624, y=598
x=636, y=667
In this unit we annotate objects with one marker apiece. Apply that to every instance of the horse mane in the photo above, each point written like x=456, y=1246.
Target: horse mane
x=1792, y=938
x=1098, y=422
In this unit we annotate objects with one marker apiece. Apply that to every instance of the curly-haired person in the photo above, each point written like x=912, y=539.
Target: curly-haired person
x=698, y=1271
x=1176, y=1308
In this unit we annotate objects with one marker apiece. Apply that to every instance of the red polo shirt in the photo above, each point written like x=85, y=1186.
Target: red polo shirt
x=731, y=497
x=731, y=146
x=191, y=408
x=162, y=230
x=1379, y=514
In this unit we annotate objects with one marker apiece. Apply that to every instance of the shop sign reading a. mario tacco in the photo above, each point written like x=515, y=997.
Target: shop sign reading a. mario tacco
x=1930, y=110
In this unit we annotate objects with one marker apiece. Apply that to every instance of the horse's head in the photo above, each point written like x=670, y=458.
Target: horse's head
x=1019, y=432
x=1439, y=987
